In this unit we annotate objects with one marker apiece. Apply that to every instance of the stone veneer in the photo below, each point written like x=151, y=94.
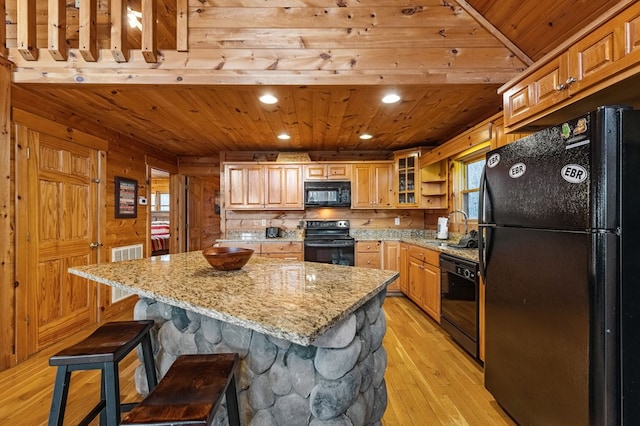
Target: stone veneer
x=337, y=380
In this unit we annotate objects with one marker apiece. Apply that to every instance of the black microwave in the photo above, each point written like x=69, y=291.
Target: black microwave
x=327, y=194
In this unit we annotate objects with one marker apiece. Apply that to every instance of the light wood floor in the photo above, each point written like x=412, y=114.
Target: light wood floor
x=430, y=381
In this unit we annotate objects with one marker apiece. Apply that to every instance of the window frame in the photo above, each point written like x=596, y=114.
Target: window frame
x=472, y=155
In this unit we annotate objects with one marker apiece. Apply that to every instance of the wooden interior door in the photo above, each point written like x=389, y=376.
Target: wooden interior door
x=194, y=212
x=61, y=230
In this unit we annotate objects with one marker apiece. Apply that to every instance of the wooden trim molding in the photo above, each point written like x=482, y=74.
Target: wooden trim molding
x=7, y=254
x=58, y=130
x=3, y=30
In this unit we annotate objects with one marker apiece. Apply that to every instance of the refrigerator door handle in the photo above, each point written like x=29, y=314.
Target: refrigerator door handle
x=482, y=227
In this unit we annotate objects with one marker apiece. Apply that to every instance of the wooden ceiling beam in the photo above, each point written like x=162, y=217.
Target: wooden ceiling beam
x=495, y=32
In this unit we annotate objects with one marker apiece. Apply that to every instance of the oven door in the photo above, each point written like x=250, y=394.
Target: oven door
x=331, y=251
x=459, y=302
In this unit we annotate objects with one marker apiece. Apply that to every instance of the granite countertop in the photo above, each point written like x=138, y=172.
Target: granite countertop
x=422, y=238
x=292, y=300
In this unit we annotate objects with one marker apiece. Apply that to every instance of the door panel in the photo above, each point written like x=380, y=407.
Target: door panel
x=195, y=207
x=61, y=226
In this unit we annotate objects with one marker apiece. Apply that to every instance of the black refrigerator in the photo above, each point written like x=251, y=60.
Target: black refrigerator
x=560, y=258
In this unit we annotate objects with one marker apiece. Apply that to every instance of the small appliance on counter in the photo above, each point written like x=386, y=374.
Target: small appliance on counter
x=443, y=228
x=273, y=232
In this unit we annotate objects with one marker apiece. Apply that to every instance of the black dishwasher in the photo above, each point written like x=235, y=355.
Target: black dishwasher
x=459, y=298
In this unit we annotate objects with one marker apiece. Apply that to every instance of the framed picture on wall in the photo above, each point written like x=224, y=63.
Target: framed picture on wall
x=126, y=198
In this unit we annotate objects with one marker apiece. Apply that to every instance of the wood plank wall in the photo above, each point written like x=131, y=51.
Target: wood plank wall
x=359, y=219
x=7, y=219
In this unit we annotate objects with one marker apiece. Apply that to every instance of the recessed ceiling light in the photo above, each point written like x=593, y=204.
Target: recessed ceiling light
x=284, y=136
x=268, y=99
x=365, y=136
x=391, y=98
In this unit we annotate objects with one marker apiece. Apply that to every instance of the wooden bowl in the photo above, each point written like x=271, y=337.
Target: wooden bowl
x=227, y=258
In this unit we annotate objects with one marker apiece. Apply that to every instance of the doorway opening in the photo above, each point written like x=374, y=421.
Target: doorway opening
x=160, y=210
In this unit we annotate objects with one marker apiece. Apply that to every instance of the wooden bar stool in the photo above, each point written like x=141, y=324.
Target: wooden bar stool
x=190, y=393
x=102, y=350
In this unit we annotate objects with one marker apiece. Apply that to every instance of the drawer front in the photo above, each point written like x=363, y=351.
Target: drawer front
x=282, y=247
x=368, y=246
x=253, y=246
x=285, y=256
x=429, y=256
x=368, y=260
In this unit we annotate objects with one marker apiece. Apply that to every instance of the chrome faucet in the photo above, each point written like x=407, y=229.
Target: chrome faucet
x=466, y=220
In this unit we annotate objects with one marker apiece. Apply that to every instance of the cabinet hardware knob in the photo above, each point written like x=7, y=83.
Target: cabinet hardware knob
x=95, y=245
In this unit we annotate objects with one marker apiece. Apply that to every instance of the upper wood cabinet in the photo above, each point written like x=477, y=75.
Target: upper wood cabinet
x=322, y=171
x=284, y=187
x=601, y=61
x=244, y=186
x=407, y=186
x=372, y=185
x=537, y=92
x=258, y=186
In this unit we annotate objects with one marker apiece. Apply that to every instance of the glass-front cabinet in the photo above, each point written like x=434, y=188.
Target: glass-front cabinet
x=407, y=171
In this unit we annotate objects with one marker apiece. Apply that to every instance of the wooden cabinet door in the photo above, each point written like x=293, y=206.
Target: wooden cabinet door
x=431, y=295
x=391, y=261
x=404, y=268
x=541, y=90
x=284, y=187
x=244, y=187
x=416, y=285
x=361, y=187
x=323, y=171
x=382, y=180
x=372, y=186
x=339, y=171
x=605, y=52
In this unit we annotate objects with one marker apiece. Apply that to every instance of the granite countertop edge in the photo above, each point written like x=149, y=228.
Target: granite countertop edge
x=304, y=336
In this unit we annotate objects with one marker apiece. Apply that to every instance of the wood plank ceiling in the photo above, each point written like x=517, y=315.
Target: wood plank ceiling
x=328, y=62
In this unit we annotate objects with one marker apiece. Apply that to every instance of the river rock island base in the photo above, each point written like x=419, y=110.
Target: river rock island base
x=337, y=380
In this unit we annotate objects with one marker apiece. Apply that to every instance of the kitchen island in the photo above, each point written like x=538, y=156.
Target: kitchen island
x=309, y=334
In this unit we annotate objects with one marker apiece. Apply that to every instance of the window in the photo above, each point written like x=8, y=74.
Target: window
x=470, y=172
x=160, y=202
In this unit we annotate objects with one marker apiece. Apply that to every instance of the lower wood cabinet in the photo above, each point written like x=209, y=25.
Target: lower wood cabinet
x=391, y=261
x=403, y=281
x=380, y=255
x=291, y=250
x=424, y=279
x=368, y=254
